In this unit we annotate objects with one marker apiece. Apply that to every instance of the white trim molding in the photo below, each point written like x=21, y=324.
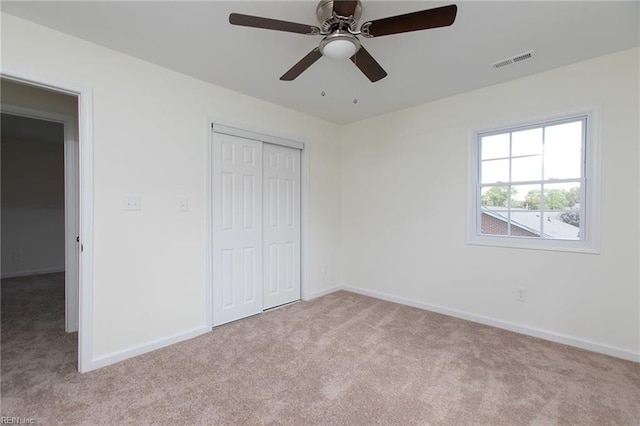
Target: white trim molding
x=551, y=336
x=85, y=201
x=118, y=356
x=305, y=224
x=325, y=291
x=256, y=136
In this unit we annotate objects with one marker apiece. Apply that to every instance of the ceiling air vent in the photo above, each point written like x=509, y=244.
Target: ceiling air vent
x=513, y=60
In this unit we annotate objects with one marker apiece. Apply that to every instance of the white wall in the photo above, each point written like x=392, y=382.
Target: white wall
x=32, y=206
x=391, y=191
x=150, y=138
x=404, y=177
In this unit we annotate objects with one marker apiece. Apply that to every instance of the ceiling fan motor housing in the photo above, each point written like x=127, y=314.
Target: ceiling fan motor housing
x=329, y=21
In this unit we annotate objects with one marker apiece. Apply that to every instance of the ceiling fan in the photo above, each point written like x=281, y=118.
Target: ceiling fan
x=338, y=24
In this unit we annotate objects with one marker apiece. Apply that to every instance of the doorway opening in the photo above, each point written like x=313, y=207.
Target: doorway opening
x=40, y=220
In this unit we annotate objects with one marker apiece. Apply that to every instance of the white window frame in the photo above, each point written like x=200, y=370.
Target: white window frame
x=590, y=203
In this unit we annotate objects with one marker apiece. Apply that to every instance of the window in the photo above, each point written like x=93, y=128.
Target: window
x=534, y=186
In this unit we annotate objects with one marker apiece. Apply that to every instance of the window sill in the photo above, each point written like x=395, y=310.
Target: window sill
x=583, y=247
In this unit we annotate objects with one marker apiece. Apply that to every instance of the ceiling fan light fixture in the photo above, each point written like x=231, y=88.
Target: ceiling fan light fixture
x=339, y=50
x=338, y=23
x=339, y=46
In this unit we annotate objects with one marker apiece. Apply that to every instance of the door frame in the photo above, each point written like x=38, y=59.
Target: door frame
x=244, y=131
x=71, y=252
x=85, y=201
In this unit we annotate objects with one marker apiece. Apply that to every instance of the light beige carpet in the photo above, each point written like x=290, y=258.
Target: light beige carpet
x=339, y=359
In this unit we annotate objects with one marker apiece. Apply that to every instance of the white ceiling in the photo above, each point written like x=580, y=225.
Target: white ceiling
x=196, y=39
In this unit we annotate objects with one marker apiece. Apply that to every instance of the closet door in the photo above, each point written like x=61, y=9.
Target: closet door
x=237, y=228
x=281, y=224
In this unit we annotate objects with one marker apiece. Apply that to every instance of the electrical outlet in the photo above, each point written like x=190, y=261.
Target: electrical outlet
x=521, y=294
x=183, y=204
x=17, y=256
x=326, y=270
x=131, y=203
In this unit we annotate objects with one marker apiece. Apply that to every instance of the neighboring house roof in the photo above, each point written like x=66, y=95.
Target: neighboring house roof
x=554, y=227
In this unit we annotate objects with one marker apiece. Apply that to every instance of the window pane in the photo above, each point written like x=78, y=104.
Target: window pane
x=495, y=196
x=495, y=146
x=495, y=171
x=526, y=169
x=526, y=197
x=526, y=142
x=574, y=195
x=494, y=218
x=525, y=223
x=561, y=196
x=562, y=225
x=563, y=151
x=562, y=211
x=515, y=222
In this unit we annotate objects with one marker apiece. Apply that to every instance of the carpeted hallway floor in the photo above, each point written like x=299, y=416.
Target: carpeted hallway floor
x=339, y=359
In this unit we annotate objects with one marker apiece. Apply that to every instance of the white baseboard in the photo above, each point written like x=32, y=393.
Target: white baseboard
x=325, y=291
x=505, y=325
x=32, y=272
x=518, y=328
x=114, y=357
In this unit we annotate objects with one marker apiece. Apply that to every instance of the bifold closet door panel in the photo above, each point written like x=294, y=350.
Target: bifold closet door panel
x=237, y=219
x=281, y=225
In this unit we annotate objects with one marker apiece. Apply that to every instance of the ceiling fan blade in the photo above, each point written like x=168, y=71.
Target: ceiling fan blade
x=272, y=24
x=345, y=8
x=302, y=65
x=416, y=21
x=368, y=65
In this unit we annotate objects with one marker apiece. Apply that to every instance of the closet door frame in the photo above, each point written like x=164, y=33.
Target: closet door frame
x=217, y=126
